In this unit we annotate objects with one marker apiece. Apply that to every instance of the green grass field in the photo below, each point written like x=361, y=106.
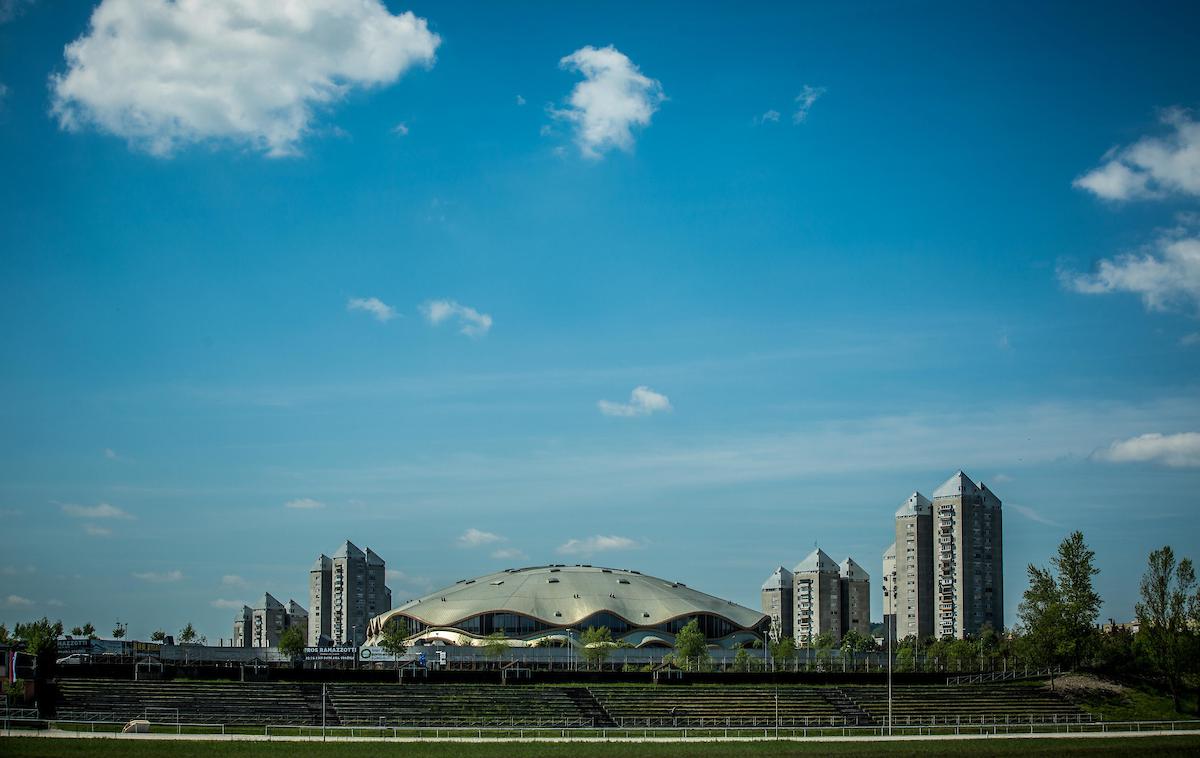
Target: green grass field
x=27, y=747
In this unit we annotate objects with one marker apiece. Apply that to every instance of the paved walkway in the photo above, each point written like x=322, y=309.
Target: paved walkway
x=64, y=734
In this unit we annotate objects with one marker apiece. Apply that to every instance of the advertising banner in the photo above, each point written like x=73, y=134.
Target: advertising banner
x=334, y=653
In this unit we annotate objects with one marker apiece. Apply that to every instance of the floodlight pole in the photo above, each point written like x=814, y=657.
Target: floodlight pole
x=323, y=685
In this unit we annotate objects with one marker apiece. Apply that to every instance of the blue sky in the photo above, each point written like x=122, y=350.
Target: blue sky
x=845, y=251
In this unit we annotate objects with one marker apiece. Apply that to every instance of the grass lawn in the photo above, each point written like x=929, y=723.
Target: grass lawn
x=32, y=747
x=1135, y=704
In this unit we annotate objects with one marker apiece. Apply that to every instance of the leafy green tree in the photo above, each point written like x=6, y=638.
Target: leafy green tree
x=784, y=649
x=119, y=630
x=158, y=635
x=741, y=661
x=855, y=641
x=3, y=634
x=291, y=642
x=89, y=631
x=1169, y=618
x=395, y=641
x=1059, y=609
x=39, y=636
x=690, y=642
x=597, y=643
x=188, y=634
x=495, y=644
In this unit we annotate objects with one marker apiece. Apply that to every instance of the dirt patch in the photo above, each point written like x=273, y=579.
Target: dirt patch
x=1088, y=685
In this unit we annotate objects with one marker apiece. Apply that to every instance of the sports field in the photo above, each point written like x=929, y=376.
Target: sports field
x=27, y=747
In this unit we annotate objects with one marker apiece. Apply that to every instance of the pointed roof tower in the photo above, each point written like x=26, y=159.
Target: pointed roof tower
x=890, y=552
x=958, y=485
x=817, y=560
x=349, y=550
x=373, y=558
x=779, y=579
x=916, y=505
x=852, y=571
x=295, y=609
x=268, y=603
x=321, y=563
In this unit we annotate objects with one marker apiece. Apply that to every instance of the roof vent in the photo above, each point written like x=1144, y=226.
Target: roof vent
x=552, y=581
x=645, y=614
x=558, y=613
x=605, y=571
x=497, y=583
x=554, y=571
x=622, y=581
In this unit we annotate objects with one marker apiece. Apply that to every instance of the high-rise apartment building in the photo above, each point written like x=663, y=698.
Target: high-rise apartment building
x=262, y=625
x=777, y=597
x=817, y=603
x=912, y=599
x=969, y=565
x=889, y=591
x=855, y=596
x=346, y=591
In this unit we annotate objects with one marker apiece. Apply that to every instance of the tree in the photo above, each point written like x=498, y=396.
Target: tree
x=3, y=634
x=158, y=635
x=495, y=644
x=39, y=636
x=119, y=630
x=1169, y=614
x=291, y=642
x=188, y=634
x=89, y=631
x=784, y=649
x=1060, y=607
x=597, y=643
x=395, y=641
x=690, y=642
x=741, y=661
x=855, y=641
x=77, y=631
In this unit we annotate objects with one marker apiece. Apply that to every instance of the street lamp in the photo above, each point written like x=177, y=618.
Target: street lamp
x=891, y=633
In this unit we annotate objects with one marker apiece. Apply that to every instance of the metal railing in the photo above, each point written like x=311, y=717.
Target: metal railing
x=708, y=732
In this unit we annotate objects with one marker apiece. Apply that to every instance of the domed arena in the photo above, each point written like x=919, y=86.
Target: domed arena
x=554, y=604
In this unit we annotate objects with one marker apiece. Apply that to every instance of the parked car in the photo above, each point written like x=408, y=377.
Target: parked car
x=74, y=659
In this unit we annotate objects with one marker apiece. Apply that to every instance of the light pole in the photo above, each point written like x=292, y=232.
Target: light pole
x=890, y=634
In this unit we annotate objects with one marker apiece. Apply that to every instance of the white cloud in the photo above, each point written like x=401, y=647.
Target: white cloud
x=507, y=553
x=1152, y=166
x=474, y=538
x=14, y=571
x=596, y=544
x=10, y=9
x=400, y=130
x=520, y=100
x=16, y=601
x=1166, y=276
x=613, y=97
x=642, y=402
x=94, y=530
x=771, y=116
x=304, y=504
x=471, y=322
x=1001, y=478
x=233, y=580
x=158, y=578
x=373, y=305
x=164, y=74
x=103, y=510
x=111, y=454
x=1175, y=450
x=53, y=603
x=1190, y=340
x=223, y=603
x=804, y=102
x=1031, y=514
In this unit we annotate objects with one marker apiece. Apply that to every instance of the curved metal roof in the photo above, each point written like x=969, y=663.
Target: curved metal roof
x=565, y=595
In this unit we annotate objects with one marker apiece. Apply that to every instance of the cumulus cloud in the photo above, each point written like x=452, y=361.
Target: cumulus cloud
x=1153, y=166
x=613, y=97
x=804, y=102
x=223, y=603
x=507, y=553
x=159, y=578
x=475, y=537
x=596, y=544
x=1175, y=450
x=520, y=100
x=470, y=321
x=373, y=305
x=304, y=504
x=1190, y=340
x=233, y=580
x=111, y=454
x=642, y=402
x=1166, y=275
x=94, y=530
x=400, y=130
x=103, y=510
x=164, y=74
x=16, y=601
x=10, y=9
